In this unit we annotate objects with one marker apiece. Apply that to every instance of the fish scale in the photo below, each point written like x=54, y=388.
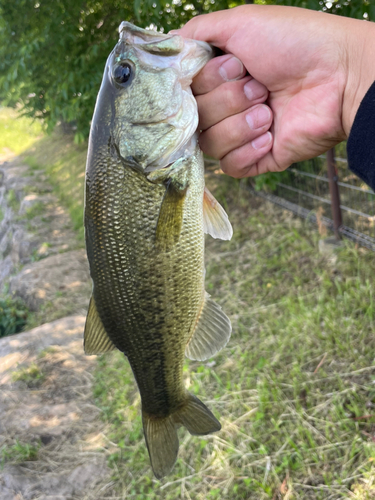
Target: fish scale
x=156, y=285
x=146, y=211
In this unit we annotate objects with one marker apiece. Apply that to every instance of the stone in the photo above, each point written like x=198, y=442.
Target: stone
x=33, y=199
x=40, y=281
x=23, y=245
x=6, y=242
x=6, y=269
x=60, y=332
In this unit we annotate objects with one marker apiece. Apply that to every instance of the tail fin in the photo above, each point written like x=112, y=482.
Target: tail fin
x=161, y=433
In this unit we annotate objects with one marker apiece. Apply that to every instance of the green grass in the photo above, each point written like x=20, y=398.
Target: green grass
x=18, y=134
x=18, y=453
x=64, y=163
x=294, y=389
x=12, y=200
x=32, y=375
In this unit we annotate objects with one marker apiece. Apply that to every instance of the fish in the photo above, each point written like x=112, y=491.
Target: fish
x=146, y=212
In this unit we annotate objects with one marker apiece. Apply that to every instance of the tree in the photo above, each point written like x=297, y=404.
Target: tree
x=53, y=52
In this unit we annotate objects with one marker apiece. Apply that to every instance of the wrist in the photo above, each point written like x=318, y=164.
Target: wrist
x=360, y=40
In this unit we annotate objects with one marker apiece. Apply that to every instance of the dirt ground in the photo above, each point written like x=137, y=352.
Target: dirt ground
x=51, y=439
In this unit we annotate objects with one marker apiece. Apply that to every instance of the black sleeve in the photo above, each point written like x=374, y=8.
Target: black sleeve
x=361, y=142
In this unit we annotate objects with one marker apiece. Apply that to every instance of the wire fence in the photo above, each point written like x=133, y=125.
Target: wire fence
x=308, y=190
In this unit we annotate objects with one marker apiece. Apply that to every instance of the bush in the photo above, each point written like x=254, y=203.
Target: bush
x=13, y=315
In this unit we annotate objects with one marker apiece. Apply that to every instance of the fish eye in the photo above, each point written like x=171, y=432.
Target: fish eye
x=122, y=73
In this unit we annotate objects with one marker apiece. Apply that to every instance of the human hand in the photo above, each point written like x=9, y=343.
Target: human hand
x=314, y=68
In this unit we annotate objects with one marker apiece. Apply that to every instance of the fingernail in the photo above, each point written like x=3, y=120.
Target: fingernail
x=262, y=141
x=253, y=90
x=258, y=117
x=231, y=69
x=173, y=32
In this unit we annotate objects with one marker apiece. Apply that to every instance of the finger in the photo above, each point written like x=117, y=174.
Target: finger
x=266, y=164
x=217, y=71
x=239, y=162
x=229, y=99
x=236, y=131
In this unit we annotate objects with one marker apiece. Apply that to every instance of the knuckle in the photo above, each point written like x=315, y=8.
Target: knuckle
x=229, y=98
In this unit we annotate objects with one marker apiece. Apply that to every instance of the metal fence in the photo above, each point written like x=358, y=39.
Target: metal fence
x=326, y=192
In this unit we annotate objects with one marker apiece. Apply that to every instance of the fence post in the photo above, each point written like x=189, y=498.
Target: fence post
x=334, y=192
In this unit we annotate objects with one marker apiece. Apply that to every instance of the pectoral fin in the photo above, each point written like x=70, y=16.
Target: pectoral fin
x=212, y=332
x=96, y=340
x=215, y=219
x=170, y=219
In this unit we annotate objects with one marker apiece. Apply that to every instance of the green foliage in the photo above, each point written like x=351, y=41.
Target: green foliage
x=360, y=9
x=13, y=315
x=52, y=53
x=268, y=181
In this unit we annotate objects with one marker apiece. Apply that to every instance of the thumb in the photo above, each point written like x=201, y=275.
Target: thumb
x=215, y=28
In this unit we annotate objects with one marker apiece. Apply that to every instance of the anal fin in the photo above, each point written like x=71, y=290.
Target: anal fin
x=215, y=219
x=96, y=340
x=212, y=331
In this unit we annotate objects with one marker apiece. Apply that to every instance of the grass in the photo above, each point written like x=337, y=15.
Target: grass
x=64, y=162
x=35, y=210
x=13, y=315
x=294, y=389
x=19, y=134
x=18, y=452
x=12, y=200
x=32, y=375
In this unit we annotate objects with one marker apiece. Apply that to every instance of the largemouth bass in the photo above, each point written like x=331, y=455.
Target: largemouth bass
x=146, y=212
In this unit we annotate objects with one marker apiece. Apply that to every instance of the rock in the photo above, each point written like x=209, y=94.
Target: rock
x=7, y=494
x=23, y=244
x=40, y=281
x=60, y=332
x=19, y=481
x=6, y=269
x=33, y=199
x=28, y=202
x=6, y=242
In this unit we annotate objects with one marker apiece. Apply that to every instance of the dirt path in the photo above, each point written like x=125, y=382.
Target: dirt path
x=51, y=440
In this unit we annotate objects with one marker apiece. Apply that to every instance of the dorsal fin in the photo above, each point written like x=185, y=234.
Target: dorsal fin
x=215, y=219
x=212, y=331
x=96, y=340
